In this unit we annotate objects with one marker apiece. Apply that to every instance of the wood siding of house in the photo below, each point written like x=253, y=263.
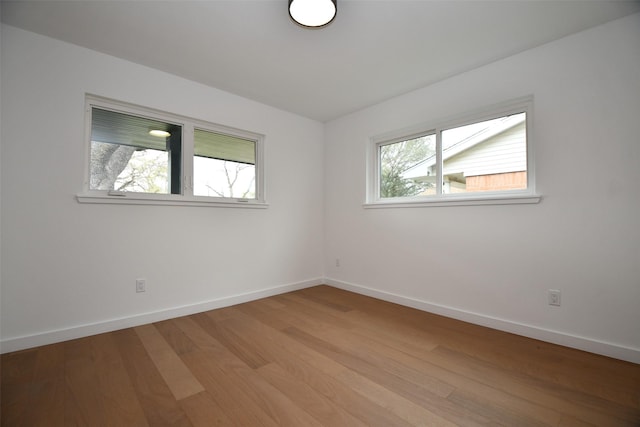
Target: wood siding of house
x=502, y=153
x=497, y=182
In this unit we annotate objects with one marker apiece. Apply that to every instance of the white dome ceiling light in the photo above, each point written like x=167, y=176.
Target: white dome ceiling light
x=313, y=13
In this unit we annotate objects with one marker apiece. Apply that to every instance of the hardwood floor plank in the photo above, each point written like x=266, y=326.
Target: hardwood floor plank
x=262, y=310
x=177, y=376
x=175, y=337
x=203, y=411
x=235, y=344
x=315, y=357
x=560, y=365
x=567, y=421
x=48, y=388
x=399, y=386
x=17, y=376
x=540, y=412
x=376, y=329
x=321, y=408
x=158, y=403
x=544, y=395
x=488, y=390
x=297, y=386
x=273, y=403
x=422, y=364
x=282, y=409
x=83, y=399
x=222, y=313
x=487, y=407
x=563, y=369
x=560, y=372
x=121, y=404
x=404, y=353
x=363, y=349
x=314, y=369
x=269, y=303
x=417, y=414
x=323, y=301
x=224, y=391
x=383, y=400
x=313, y=313
x=222, y=388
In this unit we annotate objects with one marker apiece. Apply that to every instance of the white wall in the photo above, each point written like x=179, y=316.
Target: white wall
x=69, y=269
x=0, y=186
x=494, y=264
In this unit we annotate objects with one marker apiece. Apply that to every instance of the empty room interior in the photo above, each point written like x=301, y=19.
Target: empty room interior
x=399, y=213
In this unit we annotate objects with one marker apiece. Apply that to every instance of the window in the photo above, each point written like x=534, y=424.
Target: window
x=223, y=165
x=483, y=158
x=136, y=154
x=144, y=156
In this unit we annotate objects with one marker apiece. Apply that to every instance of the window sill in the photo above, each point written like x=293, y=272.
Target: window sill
x=167, y=200
x=455, y=201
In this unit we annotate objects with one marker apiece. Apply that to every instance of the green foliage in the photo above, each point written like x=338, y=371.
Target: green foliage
x=397, y=158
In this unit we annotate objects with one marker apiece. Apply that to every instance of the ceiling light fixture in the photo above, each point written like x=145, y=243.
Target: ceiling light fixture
x=159, y=133
x=313, y=13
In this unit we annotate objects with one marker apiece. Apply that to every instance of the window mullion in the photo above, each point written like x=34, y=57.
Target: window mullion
x=378, y=169
x=174, y=148
x=187, y=160
x=439, y=168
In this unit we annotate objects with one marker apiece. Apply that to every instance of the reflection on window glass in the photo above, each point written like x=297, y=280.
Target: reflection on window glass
x=223, y=165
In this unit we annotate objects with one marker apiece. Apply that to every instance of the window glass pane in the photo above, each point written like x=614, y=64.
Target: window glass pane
x=126, y=157
x=408, y=168
x=486, y=156
x=223, y=165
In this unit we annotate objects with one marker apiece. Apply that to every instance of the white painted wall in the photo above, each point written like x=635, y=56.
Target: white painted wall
x=0, y=187
x=69, y=269
x=494, y=264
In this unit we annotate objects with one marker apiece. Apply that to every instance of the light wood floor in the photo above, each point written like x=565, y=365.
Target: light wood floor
x=316, y=357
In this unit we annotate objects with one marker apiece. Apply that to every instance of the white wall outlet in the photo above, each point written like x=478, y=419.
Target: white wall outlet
x=141, y=285
x=337, y=262
x=554, y=297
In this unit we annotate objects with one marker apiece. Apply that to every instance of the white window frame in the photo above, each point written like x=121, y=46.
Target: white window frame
x=186, y=196
x=528, y=195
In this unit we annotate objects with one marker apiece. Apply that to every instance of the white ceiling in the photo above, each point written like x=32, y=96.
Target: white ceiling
x=374, y=50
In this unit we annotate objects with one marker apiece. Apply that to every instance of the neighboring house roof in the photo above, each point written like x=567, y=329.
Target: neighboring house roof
x=460, y=140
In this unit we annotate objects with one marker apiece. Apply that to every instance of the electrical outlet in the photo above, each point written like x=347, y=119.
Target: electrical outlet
x=141, y=285
x=337, y=262
x=554, y=297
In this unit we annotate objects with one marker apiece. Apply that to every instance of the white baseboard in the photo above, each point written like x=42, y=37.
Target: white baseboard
x=581, y=343
x=50, y=337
